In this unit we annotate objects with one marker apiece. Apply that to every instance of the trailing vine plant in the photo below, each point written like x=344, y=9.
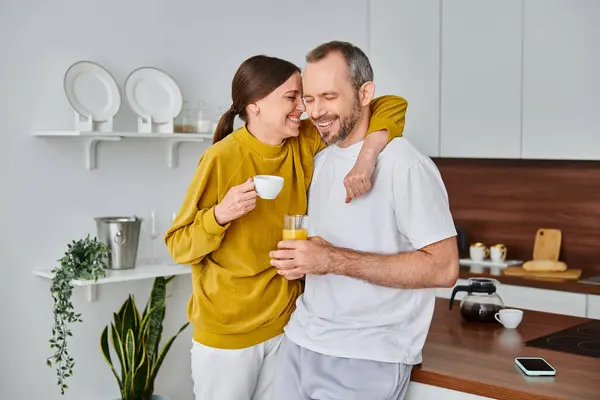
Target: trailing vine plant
x=85, y=259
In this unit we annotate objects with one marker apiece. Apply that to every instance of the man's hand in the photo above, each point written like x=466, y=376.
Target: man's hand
x=296, y=258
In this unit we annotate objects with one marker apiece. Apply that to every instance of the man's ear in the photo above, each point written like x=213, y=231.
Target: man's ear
x=366, y=93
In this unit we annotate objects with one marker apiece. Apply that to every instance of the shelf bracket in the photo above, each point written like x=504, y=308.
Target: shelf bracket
x=91, y=145
x=92, y=292
x=173, y=150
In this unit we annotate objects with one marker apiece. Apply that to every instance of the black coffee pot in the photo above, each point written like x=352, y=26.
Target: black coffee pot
x=481, y=302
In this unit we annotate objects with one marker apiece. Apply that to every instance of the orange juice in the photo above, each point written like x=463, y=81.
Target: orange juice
x=295, y=234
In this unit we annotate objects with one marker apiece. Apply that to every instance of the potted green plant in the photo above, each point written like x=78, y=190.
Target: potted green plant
x=86, y=258
x=135, y=340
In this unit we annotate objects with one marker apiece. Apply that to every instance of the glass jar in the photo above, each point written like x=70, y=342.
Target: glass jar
x=187, y=121
x=203, y=122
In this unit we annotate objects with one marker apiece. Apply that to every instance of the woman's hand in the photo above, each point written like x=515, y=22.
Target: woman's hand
x=238, y=201
x=358, y=180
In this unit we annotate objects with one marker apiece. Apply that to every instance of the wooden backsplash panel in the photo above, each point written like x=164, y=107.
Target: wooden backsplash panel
x=506, y=201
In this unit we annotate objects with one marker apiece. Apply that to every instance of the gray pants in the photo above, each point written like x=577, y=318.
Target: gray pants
x=305, y=375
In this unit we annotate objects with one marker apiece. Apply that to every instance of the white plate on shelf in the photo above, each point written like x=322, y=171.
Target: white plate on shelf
x=489, y=263
x=153, y=94
x=92, y=91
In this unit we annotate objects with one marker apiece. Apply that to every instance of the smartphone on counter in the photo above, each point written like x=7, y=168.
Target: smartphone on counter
x=535, y=366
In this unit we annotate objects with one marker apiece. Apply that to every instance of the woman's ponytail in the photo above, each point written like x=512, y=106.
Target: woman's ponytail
x=225, y=125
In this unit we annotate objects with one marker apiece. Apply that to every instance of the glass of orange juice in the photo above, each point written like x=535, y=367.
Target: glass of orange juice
x=295, y=227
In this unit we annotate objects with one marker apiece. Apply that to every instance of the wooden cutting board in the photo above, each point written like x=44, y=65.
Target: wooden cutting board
x=518, y=271
x=547, y=244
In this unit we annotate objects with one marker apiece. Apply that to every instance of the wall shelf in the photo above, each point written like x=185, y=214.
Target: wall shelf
x=146, y=271
x=91, y=140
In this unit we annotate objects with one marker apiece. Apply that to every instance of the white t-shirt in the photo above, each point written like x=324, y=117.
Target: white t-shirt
x=406, y=210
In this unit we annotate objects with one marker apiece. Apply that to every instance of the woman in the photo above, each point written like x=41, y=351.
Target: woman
x=240, y=304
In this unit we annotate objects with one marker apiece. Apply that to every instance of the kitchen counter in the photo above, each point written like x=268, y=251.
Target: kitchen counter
x=564, y=285
x=478, y=358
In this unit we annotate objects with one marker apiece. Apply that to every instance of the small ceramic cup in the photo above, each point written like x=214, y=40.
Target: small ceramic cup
x=268, y=186
x=510, y=318
x=498, y=252
x=478, y=251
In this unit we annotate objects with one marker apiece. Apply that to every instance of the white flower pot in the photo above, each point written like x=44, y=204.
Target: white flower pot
x=154, y=397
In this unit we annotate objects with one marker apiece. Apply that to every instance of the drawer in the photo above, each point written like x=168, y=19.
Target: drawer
x=551, y=301
x=593, y=306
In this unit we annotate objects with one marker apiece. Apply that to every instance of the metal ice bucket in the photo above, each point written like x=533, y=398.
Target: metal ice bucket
x=121, y=235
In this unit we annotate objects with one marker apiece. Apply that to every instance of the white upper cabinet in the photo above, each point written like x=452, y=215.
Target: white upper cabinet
x=493, y=78
x=481, y=79
x=404, y=49
x=561, y=79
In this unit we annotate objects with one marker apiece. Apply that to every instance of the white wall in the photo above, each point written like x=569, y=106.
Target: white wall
x=49, y=199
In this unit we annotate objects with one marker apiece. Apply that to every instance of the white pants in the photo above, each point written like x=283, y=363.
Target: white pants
x=239, y=374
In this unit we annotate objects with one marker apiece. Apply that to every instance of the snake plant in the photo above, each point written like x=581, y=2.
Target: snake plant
x=135, y=339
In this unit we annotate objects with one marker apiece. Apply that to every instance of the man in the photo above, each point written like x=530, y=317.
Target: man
x=362, y=321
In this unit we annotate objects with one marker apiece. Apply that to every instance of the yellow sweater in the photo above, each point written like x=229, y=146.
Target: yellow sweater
x=238, y=298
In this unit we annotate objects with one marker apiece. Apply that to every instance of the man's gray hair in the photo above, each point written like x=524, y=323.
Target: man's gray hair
x=359, y=66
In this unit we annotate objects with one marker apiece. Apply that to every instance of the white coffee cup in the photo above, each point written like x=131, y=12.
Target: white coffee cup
x=509, y=317
x=268, y=186
x=498, y=252
x=478, y=251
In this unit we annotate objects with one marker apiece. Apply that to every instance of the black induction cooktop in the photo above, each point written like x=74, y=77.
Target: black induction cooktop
x=582, y=339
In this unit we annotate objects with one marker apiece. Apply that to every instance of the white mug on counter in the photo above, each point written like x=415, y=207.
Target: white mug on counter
x=510, y=318
x=498, y=252
x=478, y=251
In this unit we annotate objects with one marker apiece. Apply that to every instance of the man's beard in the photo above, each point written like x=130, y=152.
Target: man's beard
x=346, y=125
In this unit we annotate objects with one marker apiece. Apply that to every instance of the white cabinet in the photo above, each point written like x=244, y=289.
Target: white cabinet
x=481, y=79
x=550, y=301
x=527, y=298
x=561, y=79
x=404, y=50
x=593, y=306
x=492, y=79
